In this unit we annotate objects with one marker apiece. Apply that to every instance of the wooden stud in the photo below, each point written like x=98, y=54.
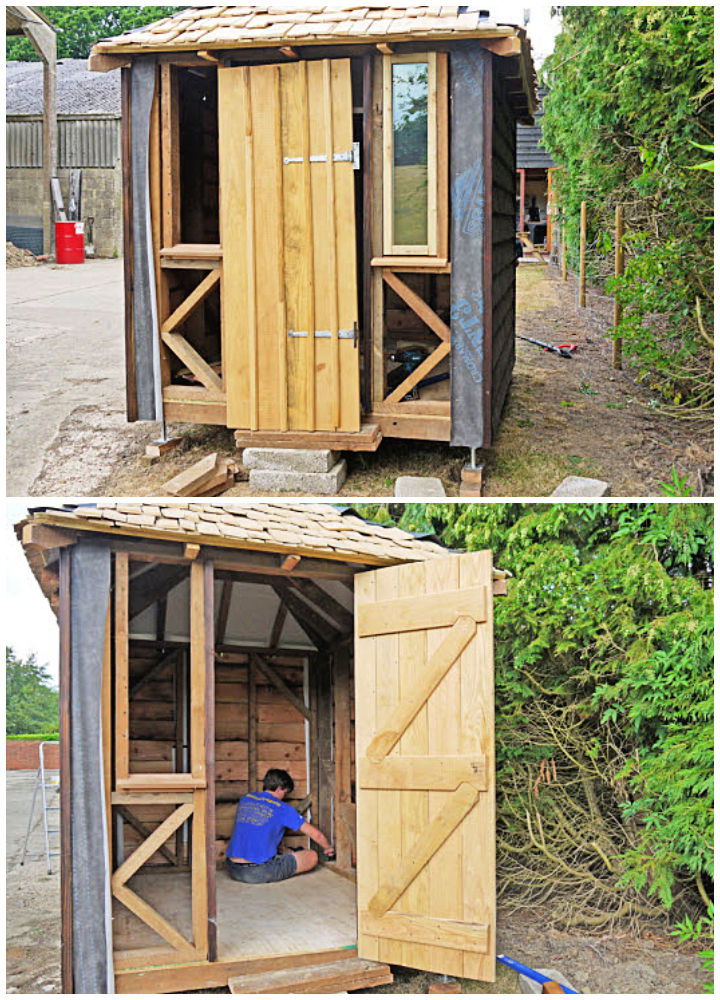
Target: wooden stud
x=209, y=750
x=274, y=677
x=343, y=768
x=583, y=249
x=107, y=725
x=252, y=726
x=122, y=667
x=619, y=269
x=418, y=306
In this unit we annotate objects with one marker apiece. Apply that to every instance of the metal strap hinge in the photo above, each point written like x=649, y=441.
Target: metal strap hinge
x=326, y=334
x=351, y=156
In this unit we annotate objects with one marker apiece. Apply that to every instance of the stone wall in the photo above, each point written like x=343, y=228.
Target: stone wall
x=101, y=200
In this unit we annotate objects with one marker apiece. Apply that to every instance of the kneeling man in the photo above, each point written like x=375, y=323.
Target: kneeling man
x=260, y=822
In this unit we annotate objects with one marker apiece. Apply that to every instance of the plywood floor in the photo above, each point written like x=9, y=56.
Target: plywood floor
x=307, y=913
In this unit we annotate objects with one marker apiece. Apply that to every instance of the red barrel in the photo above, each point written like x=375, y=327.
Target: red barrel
x=69, y=243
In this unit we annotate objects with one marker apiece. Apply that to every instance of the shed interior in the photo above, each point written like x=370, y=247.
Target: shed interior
x=282, y=698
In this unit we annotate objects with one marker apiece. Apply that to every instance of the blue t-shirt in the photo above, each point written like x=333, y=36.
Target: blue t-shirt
x=260, y=822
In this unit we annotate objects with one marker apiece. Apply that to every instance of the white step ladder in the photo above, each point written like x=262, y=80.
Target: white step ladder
x=42, y=785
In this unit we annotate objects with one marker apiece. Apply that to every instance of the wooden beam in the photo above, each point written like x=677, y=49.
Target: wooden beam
x=278, y=625
x=208, y=56
x=104, y=63
x=252, y=726
x=317, y=628
x=191, y=551
x=194, y=361
x=424, y=612
x=154, y=671
x=176, y=318
x=455, y=809
x=343, y=765
x=325, y=792
x=144, y=832
x=209, y=746
x=419, y=306
x=224, y=611
x=145, y=851
x=290, y=562
x=342, y=619
x=385, y=48
x=43, y=537
x=153, y=585
x=122, y=667
x=152, y=918
x=274, y=677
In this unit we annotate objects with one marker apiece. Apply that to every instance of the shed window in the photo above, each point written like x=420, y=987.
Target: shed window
x=410, y=129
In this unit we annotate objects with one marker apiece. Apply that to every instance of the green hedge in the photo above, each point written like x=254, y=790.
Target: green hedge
x=34, y=736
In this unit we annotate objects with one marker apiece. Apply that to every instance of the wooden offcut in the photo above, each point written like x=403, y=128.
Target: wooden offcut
x=207, y=477
x=332, y=977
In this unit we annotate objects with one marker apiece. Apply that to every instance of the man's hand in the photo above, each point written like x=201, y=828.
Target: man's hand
x=330, y=853
x=319, y=837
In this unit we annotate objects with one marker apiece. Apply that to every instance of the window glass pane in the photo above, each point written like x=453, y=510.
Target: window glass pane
x=410, y=153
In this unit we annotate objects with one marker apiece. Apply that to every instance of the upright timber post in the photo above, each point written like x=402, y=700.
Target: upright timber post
x=583, y=252
x=27, y=21
x=619, y=268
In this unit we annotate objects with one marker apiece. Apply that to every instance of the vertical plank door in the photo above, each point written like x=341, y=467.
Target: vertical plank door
x=287, y=217
x=425, y=765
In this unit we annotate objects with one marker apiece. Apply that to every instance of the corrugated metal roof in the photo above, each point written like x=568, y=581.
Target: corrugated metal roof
x=78, y=90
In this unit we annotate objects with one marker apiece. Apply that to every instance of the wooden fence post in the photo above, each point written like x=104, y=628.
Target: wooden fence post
x=619, y=268
x=583, y=248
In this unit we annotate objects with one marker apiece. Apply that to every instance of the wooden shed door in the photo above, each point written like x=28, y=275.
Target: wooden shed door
x=287, y=215
x=425, y=765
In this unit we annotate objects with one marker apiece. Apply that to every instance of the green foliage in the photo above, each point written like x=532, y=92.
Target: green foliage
x=39, y=737
x=699, y=930
x=603, y=664
x=31, y=702
x=80, y=27
x=631, y=97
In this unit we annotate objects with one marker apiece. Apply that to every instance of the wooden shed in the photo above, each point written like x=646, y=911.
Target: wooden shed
x=319, y=224
x=205, y=642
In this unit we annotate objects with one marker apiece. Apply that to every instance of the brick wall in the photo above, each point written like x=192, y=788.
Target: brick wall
x=101, y=199
x=23, y=755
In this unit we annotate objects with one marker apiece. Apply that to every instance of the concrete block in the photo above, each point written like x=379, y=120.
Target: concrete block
x=419, y=486
x=291, y=459
x=324, y=484
x=579, y=486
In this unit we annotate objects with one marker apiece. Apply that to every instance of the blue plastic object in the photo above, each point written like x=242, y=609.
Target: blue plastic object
x=525, y=970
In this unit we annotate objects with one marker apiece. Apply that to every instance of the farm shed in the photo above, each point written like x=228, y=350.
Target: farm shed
x=88, y=139
x=203, y=643
x=320, y=220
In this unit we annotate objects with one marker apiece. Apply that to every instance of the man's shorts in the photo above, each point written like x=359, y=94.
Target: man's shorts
x=280, y=867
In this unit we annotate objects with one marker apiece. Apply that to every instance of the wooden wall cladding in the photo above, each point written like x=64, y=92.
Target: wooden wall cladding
x=154, y=726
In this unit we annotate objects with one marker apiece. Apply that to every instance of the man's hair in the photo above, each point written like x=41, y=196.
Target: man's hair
x=277, y=778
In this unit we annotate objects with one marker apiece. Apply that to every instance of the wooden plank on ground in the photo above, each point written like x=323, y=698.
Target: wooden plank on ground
x=332, y=977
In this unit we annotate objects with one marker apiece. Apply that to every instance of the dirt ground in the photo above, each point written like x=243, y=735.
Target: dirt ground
x=564, y=417
x=616, y=963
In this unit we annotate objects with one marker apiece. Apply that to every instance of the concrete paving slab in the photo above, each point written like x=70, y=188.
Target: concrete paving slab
x=419, y=486
x=292, y=459
x=300, y=483
x=580, y=486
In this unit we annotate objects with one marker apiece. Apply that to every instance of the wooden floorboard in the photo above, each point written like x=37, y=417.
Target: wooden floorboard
x=308, y=913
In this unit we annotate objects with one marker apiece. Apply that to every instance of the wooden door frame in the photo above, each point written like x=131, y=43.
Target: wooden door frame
x=195, y=791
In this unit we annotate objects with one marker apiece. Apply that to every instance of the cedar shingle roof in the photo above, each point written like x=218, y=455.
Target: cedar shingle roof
x=305, y=23
x=316, y=529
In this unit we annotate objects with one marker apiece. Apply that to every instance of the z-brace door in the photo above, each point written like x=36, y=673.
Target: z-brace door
x=287, y=214
x=425, y=765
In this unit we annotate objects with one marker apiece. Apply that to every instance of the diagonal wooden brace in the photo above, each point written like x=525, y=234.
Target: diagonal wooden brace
x=430, y=841
x=435, y=669
x=148, y=847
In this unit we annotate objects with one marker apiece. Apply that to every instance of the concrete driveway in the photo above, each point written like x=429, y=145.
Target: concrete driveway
x=64, y=352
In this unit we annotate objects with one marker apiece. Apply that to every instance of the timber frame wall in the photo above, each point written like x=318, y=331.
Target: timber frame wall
x=245, y=711
x=399, y=288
